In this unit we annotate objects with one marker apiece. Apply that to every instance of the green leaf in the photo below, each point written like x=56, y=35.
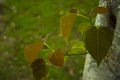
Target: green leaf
x=78, y=47
x=66, y=24
x=39, y=69
x=97, y=41
x=83, y=27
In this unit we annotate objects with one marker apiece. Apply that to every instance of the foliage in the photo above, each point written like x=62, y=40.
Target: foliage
x=26, y=22
x=100, y=10
x=31, y=51
x=39, y=69
x=97, y=41
x=57, y=58
x=66, y=24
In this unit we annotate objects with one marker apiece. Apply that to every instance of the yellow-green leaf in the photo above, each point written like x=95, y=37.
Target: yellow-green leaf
x=78, y=47
x=83, y=27
x=39, y=69
x=66, y=24
x=56, y=58
x=100, y=10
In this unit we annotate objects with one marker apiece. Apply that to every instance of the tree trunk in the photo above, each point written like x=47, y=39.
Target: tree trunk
x=109, y=69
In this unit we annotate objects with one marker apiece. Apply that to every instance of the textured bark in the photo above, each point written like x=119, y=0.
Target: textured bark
x=109, y=69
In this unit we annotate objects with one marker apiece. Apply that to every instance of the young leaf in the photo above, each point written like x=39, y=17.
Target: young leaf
x=78, y=47
x=66, y=24
x=100, y=10
x=98, y=41
x=39, y=69
x=57, y=58
x=74, y=10
x=31, y=51
x=83, y=27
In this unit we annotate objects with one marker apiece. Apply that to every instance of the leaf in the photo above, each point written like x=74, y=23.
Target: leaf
x=45, y=78
x=74, y=10
x=83, y=27
x=66, y=24
x=98, y=41
x=57, y=58
x=39, y=69
x=78, y=47
x=100, y=10
x=31, y=51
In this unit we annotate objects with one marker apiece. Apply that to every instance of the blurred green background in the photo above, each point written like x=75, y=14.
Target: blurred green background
x=26, y=21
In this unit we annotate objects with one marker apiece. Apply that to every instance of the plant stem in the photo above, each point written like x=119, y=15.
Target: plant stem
x=49, y=47
x=74, y=54
x=83, y=16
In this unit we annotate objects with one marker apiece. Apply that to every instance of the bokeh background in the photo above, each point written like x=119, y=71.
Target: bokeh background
x=23, y=22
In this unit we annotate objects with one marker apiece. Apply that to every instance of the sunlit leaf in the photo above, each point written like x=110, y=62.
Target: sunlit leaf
x=100, y=10
x=31, y=51
x=66, y=24
x=78, y=47
x=39, y=69
x=83, y=27
x=98, y=41
x=57, y=58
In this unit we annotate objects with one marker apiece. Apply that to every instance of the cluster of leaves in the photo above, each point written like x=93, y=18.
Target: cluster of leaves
x=39, y=65
x=96, y=41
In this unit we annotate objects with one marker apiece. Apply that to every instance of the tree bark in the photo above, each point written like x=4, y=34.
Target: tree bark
x=109, y=68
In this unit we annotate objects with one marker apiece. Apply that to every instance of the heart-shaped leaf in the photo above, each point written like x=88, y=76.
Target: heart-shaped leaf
x=39, y=69
x=56, y=58
x=98, y=41
x=66, y=24
x=31, y=51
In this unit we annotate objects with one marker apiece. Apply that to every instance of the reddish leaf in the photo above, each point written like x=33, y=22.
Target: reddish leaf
x=37, y=62
x=66, y=24
x=57, y=58
x=74, y=10
x=100, y=10
x=31, y=51
x=39, y=69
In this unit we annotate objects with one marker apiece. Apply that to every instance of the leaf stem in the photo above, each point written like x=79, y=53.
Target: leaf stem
x=49, y=47
x=83, y=16
x=74, y=54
